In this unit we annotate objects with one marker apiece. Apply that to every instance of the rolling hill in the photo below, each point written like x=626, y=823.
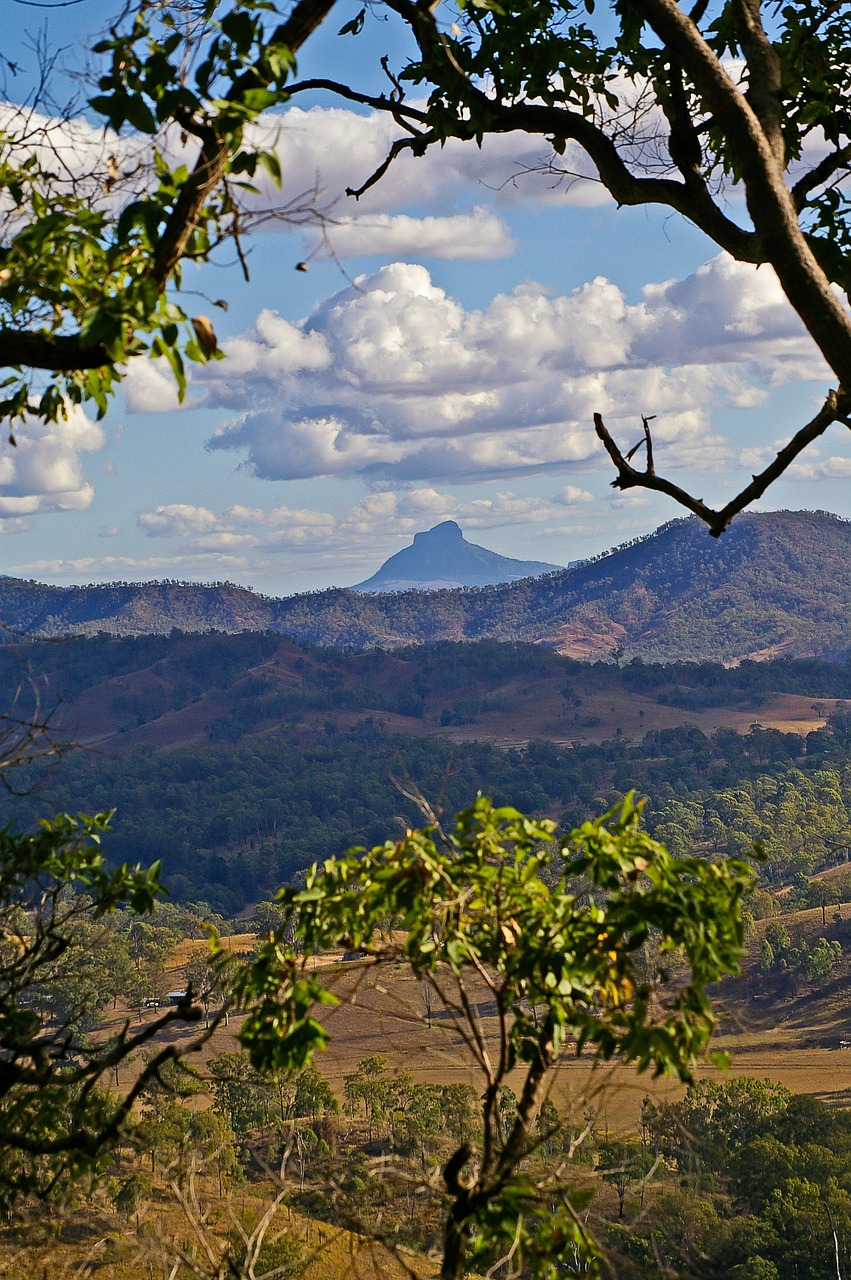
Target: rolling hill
x=776, y=585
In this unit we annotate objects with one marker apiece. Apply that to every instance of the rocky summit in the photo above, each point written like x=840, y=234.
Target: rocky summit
x=442, y=557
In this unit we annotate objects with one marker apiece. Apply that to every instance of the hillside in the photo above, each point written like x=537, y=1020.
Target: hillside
x=185, y=690
x=442, y=557
x=777, y=584
x=237, y=759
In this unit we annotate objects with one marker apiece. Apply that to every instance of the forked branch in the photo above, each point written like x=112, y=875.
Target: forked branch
x=836, y=408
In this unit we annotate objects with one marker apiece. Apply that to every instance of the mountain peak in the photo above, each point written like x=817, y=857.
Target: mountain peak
x=445, y=532
x=442, y=557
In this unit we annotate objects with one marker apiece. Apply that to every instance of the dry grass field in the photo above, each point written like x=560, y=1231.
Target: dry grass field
x=106, y=1246
x=788, y=1036
x=602, y=718
x=769, y=1031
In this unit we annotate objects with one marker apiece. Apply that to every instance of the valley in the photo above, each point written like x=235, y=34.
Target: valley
x=237, y=755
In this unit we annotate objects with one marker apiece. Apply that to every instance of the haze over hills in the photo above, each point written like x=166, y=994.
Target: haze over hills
x=776, y=584
x=443, y=558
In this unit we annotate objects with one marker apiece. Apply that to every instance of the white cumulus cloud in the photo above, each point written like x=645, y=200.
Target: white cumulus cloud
x=477, y=237
x=372, y=525
x=395, y=381
x=45, y=473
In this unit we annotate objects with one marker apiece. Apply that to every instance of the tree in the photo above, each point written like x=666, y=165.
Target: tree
x=821, y=893
x=622, y=1162
x=714, y=1121
x=487, y=907
x=241, y=1093
x=820, y=962
x=203, y=982
x=370, y=1087
x=87, y=261
x=313, y=1095
x=55, y=892
x=671, y=106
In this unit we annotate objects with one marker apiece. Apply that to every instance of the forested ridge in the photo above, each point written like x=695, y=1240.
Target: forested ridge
x=240, y=759
x=777, y=583
x=174, y=690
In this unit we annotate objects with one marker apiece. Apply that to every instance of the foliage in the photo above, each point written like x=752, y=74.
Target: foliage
x=651, y=93
x=816, y=964
x=645, y=98
x=88, y=263
x=780, y=1164
x=242, y=1095
x=486, y=903
x=58, y=900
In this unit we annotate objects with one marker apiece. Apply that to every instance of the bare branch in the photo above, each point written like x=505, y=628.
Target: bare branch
x=836, y=408
x=401, y=111
x=820, y=173
x=417, y=145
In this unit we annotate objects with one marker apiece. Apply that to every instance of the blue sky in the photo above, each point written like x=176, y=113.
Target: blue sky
x=490, y=316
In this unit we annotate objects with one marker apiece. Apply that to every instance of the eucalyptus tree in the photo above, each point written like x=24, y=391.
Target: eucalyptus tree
x=488, y=907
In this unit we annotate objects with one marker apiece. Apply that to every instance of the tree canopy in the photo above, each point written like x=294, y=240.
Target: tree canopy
x=487, y=914
x=61, y=960
x=734, y=115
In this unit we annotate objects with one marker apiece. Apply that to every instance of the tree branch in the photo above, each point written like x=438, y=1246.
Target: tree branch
x=400, y=111
x=770, y=203
x=764, y=74
x=215, y=151
x=836, y=408
x=416, y=145
x=820, y=173
x=62, y=353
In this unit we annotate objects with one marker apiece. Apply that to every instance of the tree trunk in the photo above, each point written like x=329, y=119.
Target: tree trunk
x=456, y=1237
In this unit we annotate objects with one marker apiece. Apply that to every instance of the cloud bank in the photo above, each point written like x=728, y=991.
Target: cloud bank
x=378, y=519
x=323, y=151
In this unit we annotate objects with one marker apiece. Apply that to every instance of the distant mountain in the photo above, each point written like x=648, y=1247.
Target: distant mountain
x=443, y=558
x=776, y=585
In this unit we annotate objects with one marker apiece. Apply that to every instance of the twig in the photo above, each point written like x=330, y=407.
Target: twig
x=417, y=145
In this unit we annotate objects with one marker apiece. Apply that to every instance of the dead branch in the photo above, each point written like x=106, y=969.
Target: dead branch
x=836, y=408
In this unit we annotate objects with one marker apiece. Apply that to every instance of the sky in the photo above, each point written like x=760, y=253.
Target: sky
x=441, y=358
